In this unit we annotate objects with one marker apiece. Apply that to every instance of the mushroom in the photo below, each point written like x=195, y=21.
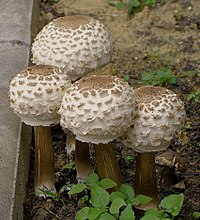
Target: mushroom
x=76, y=43
x=171, y=159
x=172, y=163
x=35, y=95
x=98, y=109
x=160, y=114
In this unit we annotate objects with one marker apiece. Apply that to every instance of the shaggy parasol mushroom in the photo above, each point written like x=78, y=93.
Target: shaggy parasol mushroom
x=160, y=114
x=35, y=95
x=76, y=43
x=98, y=109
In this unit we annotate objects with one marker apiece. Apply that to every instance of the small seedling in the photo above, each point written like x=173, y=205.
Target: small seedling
x=158, y=78
x=69, y=166
x=129, y=159
x=195, y=96
x=169, y=208
x=132, y=6
x=105, y=205
x=188, y=125
x=54, y=196
x=126, y=78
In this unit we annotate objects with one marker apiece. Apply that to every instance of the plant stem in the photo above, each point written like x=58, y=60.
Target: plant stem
x=43, y=166
x=82, y=161
x=107, y=164
x=145, y=179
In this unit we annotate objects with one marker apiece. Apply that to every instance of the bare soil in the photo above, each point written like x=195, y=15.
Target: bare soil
x=166, y=36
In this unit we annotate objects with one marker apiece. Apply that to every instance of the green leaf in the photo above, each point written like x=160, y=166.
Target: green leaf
x=134, y=3
x=116, y=205
x=146, y=76
x=126, y=78
x=155, y=214
x=190, y=96
x=82, y=200
x=196, y=214
x=149, y=2
x=49, y=193
x=127, y=213
x=119, y=5
x=82, y=214
x=95, y=212
x=150, y=217
x=161, y=74
x=107, y=183
x=128, y=192
x=106, y=216
x=172, y=80
x=77, y=188
x=116, y=195
x=172, y=203
x=155, y=83
x=99, y=197
x=194, y=96
x=141, y=199
x=92, y=179
x=158, y=77
x=69, y=166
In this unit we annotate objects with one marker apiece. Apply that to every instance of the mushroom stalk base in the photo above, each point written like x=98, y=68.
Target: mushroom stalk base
x=145, y=179
x=43, y=165
x=82, y=161
x=107, y=164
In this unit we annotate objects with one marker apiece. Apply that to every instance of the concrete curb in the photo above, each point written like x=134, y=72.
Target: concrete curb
x=16, y=27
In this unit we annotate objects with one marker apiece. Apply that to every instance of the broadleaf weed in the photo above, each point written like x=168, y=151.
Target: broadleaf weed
x=158, y=78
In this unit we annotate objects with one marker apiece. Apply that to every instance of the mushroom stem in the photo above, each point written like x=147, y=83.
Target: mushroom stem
x=70, y=146
x=43, y=166
x=145, y=179
x=82, y=161
x=107, y=164
x=70, y=142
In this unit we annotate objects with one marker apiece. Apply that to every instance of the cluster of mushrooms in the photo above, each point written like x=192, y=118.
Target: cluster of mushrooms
x=94, y=109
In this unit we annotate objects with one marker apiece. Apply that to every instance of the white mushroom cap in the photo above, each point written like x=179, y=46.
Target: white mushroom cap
x=98, y=109
x=160, y=114
x=36, y=93
x=76, y=43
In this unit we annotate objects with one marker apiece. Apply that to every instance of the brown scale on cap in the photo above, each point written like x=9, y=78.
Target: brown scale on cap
x=71, y=21
x=148, y=94
x=95, y=83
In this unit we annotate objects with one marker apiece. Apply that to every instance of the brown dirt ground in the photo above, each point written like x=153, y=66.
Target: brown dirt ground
x=164, y=37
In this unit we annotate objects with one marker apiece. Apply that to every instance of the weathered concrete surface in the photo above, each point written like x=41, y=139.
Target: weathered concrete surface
x=15, y=137
x=13, y=58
